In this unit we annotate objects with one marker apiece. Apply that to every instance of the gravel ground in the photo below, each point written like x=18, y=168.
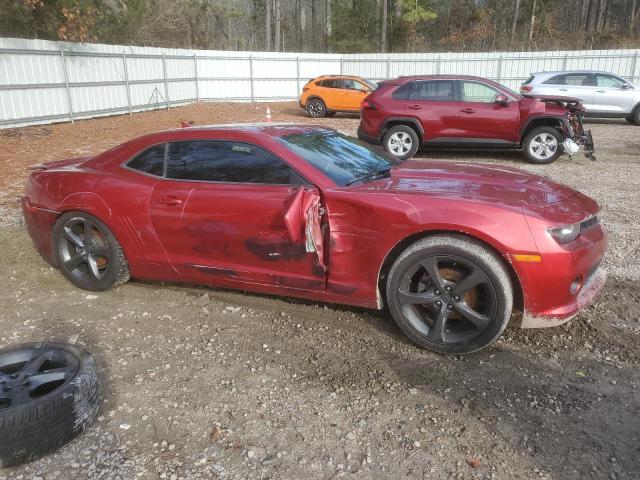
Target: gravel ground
x=202, y=383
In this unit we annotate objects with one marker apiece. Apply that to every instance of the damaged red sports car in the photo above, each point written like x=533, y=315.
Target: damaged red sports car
x=305, y=211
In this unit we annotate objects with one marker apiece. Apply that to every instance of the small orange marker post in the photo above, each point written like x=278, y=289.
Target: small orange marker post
x=268, y=116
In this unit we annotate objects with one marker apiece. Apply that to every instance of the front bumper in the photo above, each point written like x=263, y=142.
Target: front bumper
x=588, y=293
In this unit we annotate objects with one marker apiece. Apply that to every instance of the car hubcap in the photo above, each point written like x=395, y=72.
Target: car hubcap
x=84, y=249
x=31, y=373
x=543, y=146
x=400, y=143
x=316, y=108
x=447, y=299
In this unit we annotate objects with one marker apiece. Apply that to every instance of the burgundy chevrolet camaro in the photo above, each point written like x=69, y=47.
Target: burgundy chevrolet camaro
x=305, y=211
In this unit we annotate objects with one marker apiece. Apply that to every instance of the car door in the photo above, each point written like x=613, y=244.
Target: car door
x=485, y=121
x=332, y=94
x=433, y=103
x=578, y=85
x=224, y=211
x=355, y=92
x=612, y=95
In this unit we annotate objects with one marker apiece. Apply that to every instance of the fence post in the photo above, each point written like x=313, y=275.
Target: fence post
x=297, y=76
x=499, y=68
x=251, y=76
x=166, y=84
x=633, y=67
x=388, y=66
x=66, y=82
x=341, y=65
x=126, y=80
x=564, y=61
x=195, y=76
x=439, y=65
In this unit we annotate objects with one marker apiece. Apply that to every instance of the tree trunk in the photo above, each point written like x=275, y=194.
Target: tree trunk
x=514, y=23
x=267, y=25
x=533, y=20
x=602, y=5
x=632, y=17
x=277, y=43
x=383, y=26
x=314, y=41
x=328, y=26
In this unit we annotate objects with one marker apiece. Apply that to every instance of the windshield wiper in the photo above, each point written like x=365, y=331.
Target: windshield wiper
x=370, y=176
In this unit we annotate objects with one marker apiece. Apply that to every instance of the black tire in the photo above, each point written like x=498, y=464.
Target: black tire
x=551, y=149
x=634, y=118
x=401, y=141
x=452, y=319
x=316, y=108
x=37, y=421
x=101, y=266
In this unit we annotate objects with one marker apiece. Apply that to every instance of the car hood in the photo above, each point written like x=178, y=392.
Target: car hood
x=491, y=183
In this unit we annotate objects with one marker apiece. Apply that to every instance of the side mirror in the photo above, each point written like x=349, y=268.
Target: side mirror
x=501, y=99
x=626, y=86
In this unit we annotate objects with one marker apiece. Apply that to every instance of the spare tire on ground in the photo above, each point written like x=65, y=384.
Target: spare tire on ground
x=49, y=394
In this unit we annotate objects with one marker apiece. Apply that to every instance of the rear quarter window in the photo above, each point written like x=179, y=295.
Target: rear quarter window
x=150, y=161
x=403, y=92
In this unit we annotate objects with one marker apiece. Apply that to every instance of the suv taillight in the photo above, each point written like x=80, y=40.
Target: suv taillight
x=368, y=104
x=526, y=88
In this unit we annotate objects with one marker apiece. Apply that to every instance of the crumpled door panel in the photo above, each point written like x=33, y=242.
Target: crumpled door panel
x=303, y=220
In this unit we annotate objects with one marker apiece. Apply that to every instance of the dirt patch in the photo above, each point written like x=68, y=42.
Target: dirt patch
x=230, y=385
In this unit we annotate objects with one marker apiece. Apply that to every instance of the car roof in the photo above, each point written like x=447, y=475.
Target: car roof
x=267, y=128
x=443, y=77
x=563, y=72
x=353, y=77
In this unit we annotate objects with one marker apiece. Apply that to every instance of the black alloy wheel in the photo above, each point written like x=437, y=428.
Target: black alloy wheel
x=450, y=294
x=316, y=108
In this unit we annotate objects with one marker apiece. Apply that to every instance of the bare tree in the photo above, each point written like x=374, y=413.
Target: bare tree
x=533, y=20
x=514, y=23
x=383, y=26
x=267, y=25
x=278, y=33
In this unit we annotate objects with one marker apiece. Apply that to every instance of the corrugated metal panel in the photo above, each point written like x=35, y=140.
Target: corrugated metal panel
x=43, y=81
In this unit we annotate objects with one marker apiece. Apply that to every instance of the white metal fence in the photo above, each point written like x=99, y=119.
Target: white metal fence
x=44, y=82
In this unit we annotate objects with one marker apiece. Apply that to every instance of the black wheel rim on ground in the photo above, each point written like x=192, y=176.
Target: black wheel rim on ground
x=316, y=108
x=84, y=249
x=28, y=374
x=447, y=299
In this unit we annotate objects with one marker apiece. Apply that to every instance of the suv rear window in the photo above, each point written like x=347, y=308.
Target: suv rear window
x=434, y=90
x=575, y=79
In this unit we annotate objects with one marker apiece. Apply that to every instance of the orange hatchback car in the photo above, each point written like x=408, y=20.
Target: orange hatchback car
x=328, y=94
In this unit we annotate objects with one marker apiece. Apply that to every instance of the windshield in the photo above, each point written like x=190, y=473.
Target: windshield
x=341, y=158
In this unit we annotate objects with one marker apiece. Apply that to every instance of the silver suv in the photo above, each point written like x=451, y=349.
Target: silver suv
x=603, y=94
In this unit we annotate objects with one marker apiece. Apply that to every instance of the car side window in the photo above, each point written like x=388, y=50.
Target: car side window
x=349, y=84
x=579, y=79
x=150, y=161
x=403, y=92
x=434, y=90
x=232, y=162
x=331, y=84
x=478, y=92
x=608, y=81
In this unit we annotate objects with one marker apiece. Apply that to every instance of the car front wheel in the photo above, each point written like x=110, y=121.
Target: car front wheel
x=88, y=253
x=543, y=145
x=450, y=294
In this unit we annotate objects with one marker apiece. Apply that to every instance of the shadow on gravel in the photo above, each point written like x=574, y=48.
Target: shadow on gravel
x=569, y=425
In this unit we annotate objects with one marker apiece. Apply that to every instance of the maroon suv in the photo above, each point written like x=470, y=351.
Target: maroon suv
x=446, y=111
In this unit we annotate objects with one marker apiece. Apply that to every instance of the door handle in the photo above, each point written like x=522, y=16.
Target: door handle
x=563, y=89
x=415, y=107
x=468, y=110
x=169, y=201
x=600, y=91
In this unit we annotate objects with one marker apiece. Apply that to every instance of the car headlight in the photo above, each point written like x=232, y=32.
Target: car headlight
x=566, y=233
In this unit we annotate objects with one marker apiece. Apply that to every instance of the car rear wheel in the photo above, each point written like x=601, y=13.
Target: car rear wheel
x=316, y=108
x=450, y=294
x=543, y=145
x=401, y=141
x=634, y=118
x=88, y=253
